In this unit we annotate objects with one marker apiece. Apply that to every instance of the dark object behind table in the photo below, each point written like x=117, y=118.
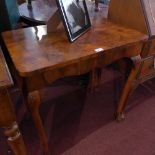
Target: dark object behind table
x=9, y=14
x=75, y=17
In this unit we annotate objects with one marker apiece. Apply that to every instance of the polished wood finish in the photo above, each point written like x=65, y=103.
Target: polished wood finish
x=40, y=52
x=149, y=48
x=148, y=66
x=7, y=114
x=142, y=71
x=139, y=15
x=128, y=13
x=40, y=58
x=129, y=86
x=5, y=77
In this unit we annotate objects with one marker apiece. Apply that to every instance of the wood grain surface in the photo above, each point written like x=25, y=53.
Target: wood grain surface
x=5, y=77
x=33, y=50
x=40, y=58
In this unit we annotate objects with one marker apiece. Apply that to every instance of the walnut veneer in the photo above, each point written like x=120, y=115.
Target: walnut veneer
x=139, y=15
x=40, y=58
x=7, y=115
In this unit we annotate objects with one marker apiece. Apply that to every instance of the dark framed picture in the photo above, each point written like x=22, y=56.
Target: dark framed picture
x=75, y=17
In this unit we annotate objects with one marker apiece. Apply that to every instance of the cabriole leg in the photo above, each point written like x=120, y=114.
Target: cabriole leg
x=33, y=104
x=128, y=88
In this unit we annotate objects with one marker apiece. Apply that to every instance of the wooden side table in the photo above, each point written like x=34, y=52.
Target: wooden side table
x=7, y=115
x=144, y=11
x=40, y=58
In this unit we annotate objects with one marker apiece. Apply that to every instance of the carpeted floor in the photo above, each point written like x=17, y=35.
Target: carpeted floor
x=82, y=123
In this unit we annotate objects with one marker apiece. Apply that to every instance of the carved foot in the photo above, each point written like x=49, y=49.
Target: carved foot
x=120, y=116
x=128, y=87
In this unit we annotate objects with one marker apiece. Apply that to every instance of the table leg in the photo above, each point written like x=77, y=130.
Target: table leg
x=96, y=5
x=33, y=104
x=128, y=88
x=29, y=5
x=95, y=78
x=9, y=124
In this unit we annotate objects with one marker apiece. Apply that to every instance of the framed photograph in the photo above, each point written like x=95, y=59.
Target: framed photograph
x=75, y=17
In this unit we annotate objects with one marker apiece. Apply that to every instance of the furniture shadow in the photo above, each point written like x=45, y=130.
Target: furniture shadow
x=70, y=114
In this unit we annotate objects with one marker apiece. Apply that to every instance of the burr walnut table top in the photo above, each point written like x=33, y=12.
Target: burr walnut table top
x=32, y=50
x=5, y=77
x=40, y=58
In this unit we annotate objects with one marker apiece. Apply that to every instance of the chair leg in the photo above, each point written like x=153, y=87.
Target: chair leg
x=9, y=124
x=96, y=5
x=33, y=104
x=128, y=88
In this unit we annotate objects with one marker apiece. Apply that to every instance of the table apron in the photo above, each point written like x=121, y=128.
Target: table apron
x=102, y=59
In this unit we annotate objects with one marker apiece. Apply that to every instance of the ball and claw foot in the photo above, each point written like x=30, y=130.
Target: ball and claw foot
x=119, y=117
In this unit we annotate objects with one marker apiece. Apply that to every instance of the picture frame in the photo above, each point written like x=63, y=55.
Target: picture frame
x=75, y=17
